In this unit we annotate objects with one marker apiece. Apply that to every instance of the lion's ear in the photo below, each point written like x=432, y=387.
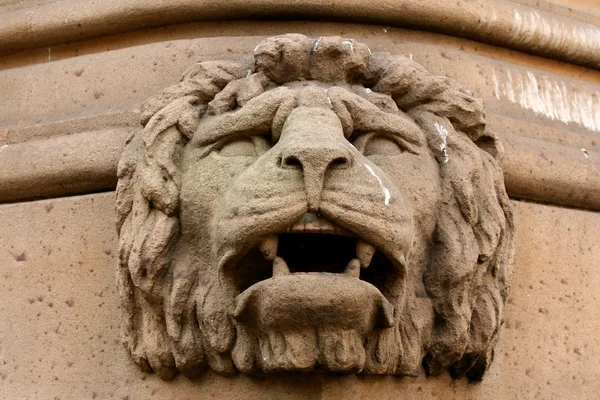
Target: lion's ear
x=471, y=262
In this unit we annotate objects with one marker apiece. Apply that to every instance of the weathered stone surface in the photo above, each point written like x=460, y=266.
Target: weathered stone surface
x=499, y=22
x=543, y=177
x=257, y=191
x=545, y=112
x=60, y=336
x=91, y=100
x=73, y=164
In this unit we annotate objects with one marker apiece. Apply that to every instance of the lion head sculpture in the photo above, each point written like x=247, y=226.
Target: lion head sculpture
x=315, y=207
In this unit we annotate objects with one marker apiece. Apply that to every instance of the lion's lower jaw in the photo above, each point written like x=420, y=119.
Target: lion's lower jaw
x=307, y=321
x=312, y=348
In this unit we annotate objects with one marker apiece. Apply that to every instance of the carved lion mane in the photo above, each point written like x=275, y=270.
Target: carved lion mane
x=179, y=316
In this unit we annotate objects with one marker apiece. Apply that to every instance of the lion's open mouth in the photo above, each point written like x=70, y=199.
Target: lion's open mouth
x=314, y=245
x=310, y=297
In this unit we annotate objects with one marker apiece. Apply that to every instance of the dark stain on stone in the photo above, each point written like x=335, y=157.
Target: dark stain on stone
x=446, y=56
x=518, y=324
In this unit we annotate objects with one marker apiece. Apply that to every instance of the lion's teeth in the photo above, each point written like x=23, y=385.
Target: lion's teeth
x=312, y=223
x=268, y=247
x=280, y=267
x=353, y=268
x=364, y=252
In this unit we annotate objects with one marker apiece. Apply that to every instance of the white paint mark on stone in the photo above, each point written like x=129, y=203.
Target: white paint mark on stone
x=529, y=27
x=517, y=20
x=316, y=45
x=488, y=22
x=256, y=48
x=386, y=29
x=367, y=90
x=329, y=99
x=585, y=153
x=443, y=132
x=2, y=147
x=410, y=56
x=552, y=98
x=510, y=93
x=496, y=85
x=348, y=41
x=385, y=190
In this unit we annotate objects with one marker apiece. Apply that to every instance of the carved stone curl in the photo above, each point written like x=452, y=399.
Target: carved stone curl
x=314, y=207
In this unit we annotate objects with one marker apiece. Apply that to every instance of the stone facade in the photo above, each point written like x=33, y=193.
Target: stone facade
x=73, y=87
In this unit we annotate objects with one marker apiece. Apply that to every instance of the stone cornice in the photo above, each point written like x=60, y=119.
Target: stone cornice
x=498, y=22
x=87, y=162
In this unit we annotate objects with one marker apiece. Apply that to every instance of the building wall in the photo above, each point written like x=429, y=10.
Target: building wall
x=60, y=318
x=69, y=102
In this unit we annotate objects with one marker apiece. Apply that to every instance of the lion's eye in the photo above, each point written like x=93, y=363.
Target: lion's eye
x=382, y=145
x=244, y=147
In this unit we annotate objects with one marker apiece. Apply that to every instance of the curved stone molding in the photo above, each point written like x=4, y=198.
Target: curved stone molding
x=497, y=22
x=315, y=207
x=548, y=172
x=62, y=166
x=559, y=174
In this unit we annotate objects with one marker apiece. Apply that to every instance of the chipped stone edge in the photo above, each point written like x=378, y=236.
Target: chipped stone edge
x=498, y=22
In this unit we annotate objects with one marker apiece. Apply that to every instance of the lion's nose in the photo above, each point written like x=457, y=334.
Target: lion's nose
x=315, y=158
x=312, y=140
x=319, y=158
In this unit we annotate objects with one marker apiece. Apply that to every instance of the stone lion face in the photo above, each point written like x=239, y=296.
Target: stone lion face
x=307, y=216
x=311, y=229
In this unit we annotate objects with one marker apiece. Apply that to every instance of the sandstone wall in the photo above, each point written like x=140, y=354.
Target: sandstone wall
x=60, y=318
x=73, y=78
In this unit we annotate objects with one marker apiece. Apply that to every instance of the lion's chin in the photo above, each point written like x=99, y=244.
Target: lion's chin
x=305, y=321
